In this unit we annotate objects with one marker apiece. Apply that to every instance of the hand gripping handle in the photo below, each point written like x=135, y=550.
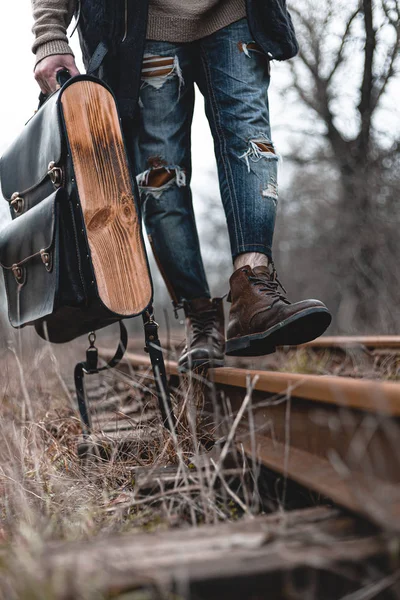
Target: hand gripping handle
x=62, y=76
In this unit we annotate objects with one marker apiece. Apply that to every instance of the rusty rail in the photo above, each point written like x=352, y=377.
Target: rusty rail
x=390, y=343
x=377, y=342
x=335, y=435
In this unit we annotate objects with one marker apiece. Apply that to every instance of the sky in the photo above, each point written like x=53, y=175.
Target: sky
x=19, y=93
x=292, y=125
x=19, y=90
x=19, y=98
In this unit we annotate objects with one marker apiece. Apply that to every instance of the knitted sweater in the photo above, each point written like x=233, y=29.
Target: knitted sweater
x=188, y=20
x=169, y=20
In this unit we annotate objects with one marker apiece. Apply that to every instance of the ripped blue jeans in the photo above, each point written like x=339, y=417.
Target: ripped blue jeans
x=233, y=75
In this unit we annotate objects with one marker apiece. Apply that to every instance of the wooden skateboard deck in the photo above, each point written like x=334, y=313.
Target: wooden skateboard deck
x=105, y=190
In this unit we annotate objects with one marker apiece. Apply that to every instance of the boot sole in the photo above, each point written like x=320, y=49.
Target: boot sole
x=200, y=364
x=298, y=329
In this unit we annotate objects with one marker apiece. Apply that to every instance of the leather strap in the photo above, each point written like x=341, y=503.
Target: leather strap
x=129, y=55
x=154, y=349
x=81, y=398
x=90, y=367
x=97, y=58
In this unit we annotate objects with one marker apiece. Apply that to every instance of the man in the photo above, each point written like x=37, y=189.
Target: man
x=152, y=52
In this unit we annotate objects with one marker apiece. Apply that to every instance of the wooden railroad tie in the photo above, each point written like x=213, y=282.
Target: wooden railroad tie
x=231, y=560
x=335, y=435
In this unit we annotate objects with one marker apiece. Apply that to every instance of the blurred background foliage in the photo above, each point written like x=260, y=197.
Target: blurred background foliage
x=336, y=123
x=337, y=233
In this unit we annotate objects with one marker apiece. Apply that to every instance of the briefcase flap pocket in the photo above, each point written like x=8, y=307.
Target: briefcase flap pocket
x=29, y=258
x=25, y=164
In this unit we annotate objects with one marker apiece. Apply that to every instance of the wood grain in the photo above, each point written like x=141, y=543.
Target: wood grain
x=337, y=436
x=377, y=397
x=357, y=491
x=242, y=556
x=105, y=190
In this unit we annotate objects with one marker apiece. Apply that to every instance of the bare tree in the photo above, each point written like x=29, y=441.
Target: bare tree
x=345, y=75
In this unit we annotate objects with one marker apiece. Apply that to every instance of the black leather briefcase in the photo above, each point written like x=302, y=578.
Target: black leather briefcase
x=73, y=256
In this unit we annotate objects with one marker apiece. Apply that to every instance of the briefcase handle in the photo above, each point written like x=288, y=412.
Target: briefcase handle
x=62, y=77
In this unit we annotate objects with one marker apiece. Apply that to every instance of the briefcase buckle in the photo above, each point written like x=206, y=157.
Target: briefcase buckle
x=56, y=174
x=46, y=260
x=19, y=274
x=17, y=202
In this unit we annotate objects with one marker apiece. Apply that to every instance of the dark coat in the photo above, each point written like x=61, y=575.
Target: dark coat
x=102, y=30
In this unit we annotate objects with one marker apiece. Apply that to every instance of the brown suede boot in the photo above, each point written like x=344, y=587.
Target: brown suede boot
x=261, y=316
x=205, y=334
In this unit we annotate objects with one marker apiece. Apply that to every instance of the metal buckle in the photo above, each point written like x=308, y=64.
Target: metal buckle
x=151, y=329
x=46, y=260
x=92, y=356
x=17, y=202
x=150, y=320
x=19, y=274
x=56, y=174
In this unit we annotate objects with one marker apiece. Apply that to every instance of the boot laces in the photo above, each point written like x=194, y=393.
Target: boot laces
x=272, y=287
x=203, y=324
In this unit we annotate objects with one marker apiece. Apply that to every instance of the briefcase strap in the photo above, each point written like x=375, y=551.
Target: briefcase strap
x=90, y=367
x=154, y=350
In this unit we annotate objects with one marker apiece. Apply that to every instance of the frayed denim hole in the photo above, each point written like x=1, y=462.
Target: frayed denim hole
x=178, y=179
x=168, y=66
x=254, y=153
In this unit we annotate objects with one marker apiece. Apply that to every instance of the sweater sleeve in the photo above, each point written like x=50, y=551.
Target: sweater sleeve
x=51, y=20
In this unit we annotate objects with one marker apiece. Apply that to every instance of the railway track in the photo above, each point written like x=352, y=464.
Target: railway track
x=334, y=437
x=314, y=553
x=337, y=436
x=371, y=342
x=370, y=357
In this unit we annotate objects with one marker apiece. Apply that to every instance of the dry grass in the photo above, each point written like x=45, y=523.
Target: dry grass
x=350, y=362
x=164, y=481
x=48, y=493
